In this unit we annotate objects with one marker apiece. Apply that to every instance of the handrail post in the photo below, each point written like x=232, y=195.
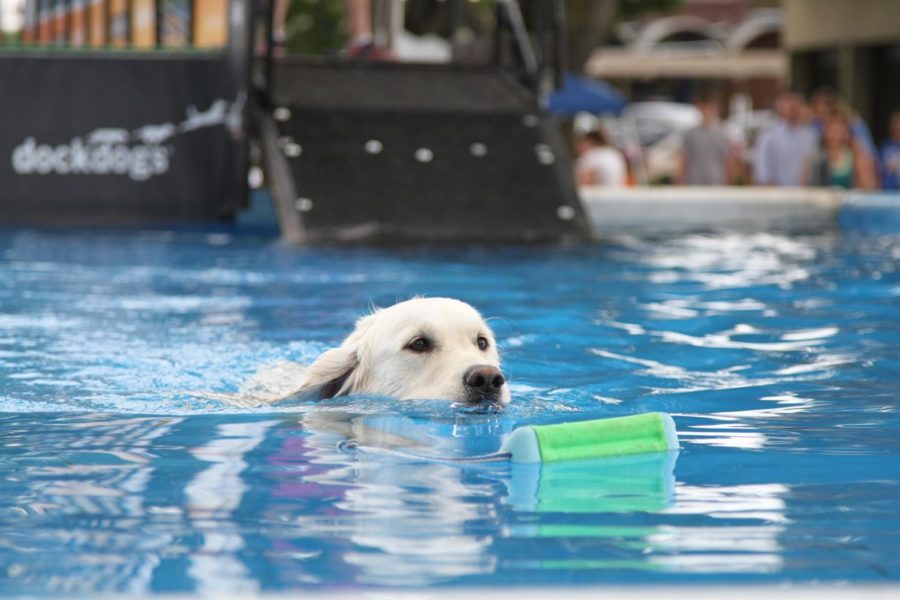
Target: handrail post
x=561, y=55
x=522, y=42
x=269, y=66
x=240, y=49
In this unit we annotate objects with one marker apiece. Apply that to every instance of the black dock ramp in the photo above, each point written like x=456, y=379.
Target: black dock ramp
x=390, y=152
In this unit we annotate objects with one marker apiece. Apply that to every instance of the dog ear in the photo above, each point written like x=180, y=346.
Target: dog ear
x=327, y=376
x=339, y=371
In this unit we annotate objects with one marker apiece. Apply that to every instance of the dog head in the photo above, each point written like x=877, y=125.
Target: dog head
x=425, y=348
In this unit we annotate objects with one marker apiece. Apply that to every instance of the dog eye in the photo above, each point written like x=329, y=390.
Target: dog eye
x=419, y=345
x=483, y=343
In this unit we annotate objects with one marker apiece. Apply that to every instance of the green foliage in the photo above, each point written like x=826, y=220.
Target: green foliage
x=429, y=16
x=315, y=27
x=11, y=38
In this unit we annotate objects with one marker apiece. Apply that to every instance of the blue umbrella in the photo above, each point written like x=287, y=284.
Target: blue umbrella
x=585, y=95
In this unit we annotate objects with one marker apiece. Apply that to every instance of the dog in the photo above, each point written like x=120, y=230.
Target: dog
x=424, y=348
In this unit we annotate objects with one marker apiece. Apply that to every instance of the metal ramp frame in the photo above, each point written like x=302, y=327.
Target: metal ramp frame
x=390, y=152
x=398, y=152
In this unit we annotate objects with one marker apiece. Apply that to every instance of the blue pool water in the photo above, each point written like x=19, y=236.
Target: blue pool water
x=776, y=355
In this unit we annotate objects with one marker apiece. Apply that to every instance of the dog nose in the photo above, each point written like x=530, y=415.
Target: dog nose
x=483, y=382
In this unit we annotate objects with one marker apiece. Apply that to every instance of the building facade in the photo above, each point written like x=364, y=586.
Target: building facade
x=851, y=46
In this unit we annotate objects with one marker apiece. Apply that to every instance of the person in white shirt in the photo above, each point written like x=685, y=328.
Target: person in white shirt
x=598, y=162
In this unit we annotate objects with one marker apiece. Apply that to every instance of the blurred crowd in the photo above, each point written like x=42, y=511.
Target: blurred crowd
x=817, y=141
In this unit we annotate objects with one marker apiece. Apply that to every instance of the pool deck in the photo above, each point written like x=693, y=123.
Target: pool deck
x=663, y=210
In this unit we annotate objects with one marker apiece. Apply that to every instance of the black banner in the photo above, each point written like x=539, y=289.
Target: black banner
x=117, y=139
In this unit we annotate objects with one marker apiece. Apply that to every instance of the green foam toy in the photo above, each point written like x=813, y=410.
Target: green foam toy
x=619, y=436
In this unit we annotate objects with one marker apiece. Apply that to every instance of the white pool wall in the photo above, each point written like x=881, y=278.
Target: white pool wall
x=653, y=210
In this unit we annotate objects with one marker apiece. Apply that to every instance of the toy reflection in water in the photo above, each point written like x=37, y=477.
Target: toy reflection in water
x=635, y=483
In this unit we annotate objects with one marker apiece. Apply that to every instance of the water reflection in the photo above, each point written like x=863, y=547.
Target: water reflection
x=639, y=483
x=764, y=502
x=739, y=337
x=750, y=429
x=749, y=544
x=411, y=522
x=687, y=380
x=212, y=497
x=584, y=509
x=252, y=503
x=729, y=261
x=416, y=522
x=611, y=492
x=83, y=492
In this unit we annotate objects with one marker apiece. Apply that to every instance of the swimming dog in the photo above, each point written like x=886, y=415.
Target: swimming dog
x=424, y=348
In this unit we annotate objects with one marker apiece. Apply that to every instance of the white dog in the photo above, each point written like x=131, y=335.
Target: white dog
x=425, y=348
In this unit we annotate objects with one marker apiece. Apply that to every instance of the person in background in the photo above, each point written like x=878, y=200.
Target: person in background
x=890, y=156
x=824, y=102
x=782, y=152
x=706, y=150
x=362, y=42
x=842, y=160
x=279, y=17
x=358, y=18
x=598, y=162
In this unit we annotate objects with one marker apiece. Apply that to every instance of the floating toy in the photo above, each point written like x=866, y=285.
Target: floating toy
x=619, y=436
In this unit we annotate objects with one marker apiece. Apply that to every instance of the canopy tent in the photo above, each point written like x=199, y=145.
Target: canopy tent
x=585, y=95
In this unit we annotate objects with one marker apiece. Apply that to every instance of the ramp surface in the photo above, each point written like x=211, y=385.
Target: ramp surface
x=396, y=152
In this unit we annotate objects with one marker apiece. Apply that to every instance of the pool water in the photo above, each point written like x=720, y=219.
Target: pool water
x=776, y=355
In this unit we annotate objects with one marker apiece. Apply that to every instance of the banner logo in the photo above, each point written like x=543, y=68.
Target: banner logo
x=139, y=154
x=85, y=157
